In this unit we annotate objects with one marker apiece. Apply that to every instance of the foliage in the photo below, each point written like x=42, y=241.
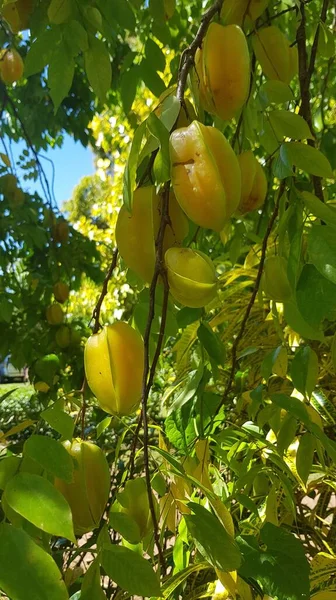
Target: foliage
x=223, y=484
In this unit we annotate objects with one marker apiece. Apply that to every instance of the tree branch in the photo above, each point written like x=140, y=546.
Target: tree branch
x=97, y=309
x=252, y=299
x=188, y=55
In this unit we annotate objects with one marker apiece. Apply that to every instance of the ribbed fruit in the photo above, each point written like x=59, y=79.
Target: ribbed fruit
x=223, y=70
x=275, y=282
x=87, y=495
x=114, y=362
x=191, y=276
x=205, y=175
x=63, y=336
x=54, y=314
x=61, y=231
x=136, y=232
x=242, y=11
x=134, y=502
x=272, y=49
x=254, y=183
x=61, y=291
x=11, y=65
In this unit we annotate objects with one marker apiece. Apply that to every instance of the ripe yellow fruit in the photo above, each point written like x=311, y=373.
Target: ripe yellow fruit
x=277, y=59
x=61, y=231
x=114, y=363
x=223, y=70
x=136, y=232
x=205, y=175
x=63, y=336
x=61, y=291
x=54, y=314
x=11, y=65
x=42, y=386
x=242, y=11
x=87, y=495
x=275, y=282
x=191, y=277
x=254, y=183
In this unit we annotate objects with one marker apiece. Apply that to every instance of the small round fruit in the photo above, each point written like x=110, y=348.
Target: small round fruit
x=47, y=367
x=61, y=292
x=87, y=495
x=191, y=277
x=114, y=363
x=54, y=314
x=63, y=336
x=11, y=66
x=275, y=281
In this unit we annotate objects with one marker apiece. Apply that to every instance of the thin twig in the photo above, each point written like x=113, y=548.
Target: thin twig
x=97, y=309
x=188, y=55
x=241, y=332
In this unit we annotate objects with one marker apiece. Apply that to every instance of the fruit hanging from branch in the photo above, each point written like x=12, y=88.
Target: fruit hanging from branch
x=254, y=183
x=11, y=65
x=87, y=495
x=275, y=283
x=114, y=362
x=191, y=276
x=277, y=58
x=205, y=175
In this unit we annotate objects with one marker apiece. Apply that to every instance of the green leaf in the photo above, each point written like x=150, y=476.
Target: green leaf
x=151, y=79
x=324, y=406
x=308, y=159
x=211, y=343
x=281, y=167
x=59, y=11
x=322, y=250
x=36, y=499
x=125, y=525
x=315, y=296
x=162, y=159
x=326, y=41
x=51, y=455
x=286, y=433
x=98, y=67
x=180, y=429
x=296, y=321
x=275, y=92
x=175, y=581
x=41, y=51
x=212, y=540
x=289, y=124
x=123, y=14
x=7, y=394
x=59, y=420
x=26, y=570
x=281, y=568
x=304, y=370
x=305, y=455
x=128, y=87
x=91, y=586
x=130, y=571
x=157, y=10
x=292, y=405
x=319, y=209
x=102, y=425
x=187, y=315
x=60, y=75
x=76, y=36
x=155, y=55
x=6, y=310
x=132, y=164
x=8, y=468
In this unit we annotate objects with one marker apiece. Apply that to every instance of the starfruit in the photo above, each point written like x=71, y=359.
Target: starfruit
x=275, y=282
x=254, y=183
x=277, y=59
x=191, y=276
x=242, y=11
x=61, y=291
x=205, y=175
x=134, y=502
x=114, y=362
x=87, y=495
x=54, y=314
x=223, y=70
x=136, y=232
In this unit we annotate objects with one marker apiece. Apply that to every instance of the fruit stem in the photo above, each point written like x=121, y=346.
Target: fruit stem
x=97, y=309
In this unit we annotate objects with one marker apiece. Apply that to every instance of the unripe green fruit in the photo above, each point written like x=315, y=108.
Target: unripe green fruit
x=134, y=502
x=61, y=231
x=114, y=363
x=47, y=367
x=254, y=183
x=191, y=277
x=63, y=336
x=54, y=314
x=89, y=492
x=61, y=291
x=275, y=282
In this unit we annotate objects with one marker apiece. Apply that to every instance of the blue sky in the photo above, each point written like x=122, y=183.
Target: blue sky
x=71, y=162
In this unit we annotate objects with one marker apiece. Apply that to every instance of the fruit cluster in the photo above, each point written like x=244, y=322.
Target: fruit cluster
x=210, y=184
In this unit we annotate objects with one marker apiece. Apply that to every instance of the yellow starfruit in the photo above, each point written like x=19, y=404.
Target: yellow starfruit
x=191, y=276
x=254, y=183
